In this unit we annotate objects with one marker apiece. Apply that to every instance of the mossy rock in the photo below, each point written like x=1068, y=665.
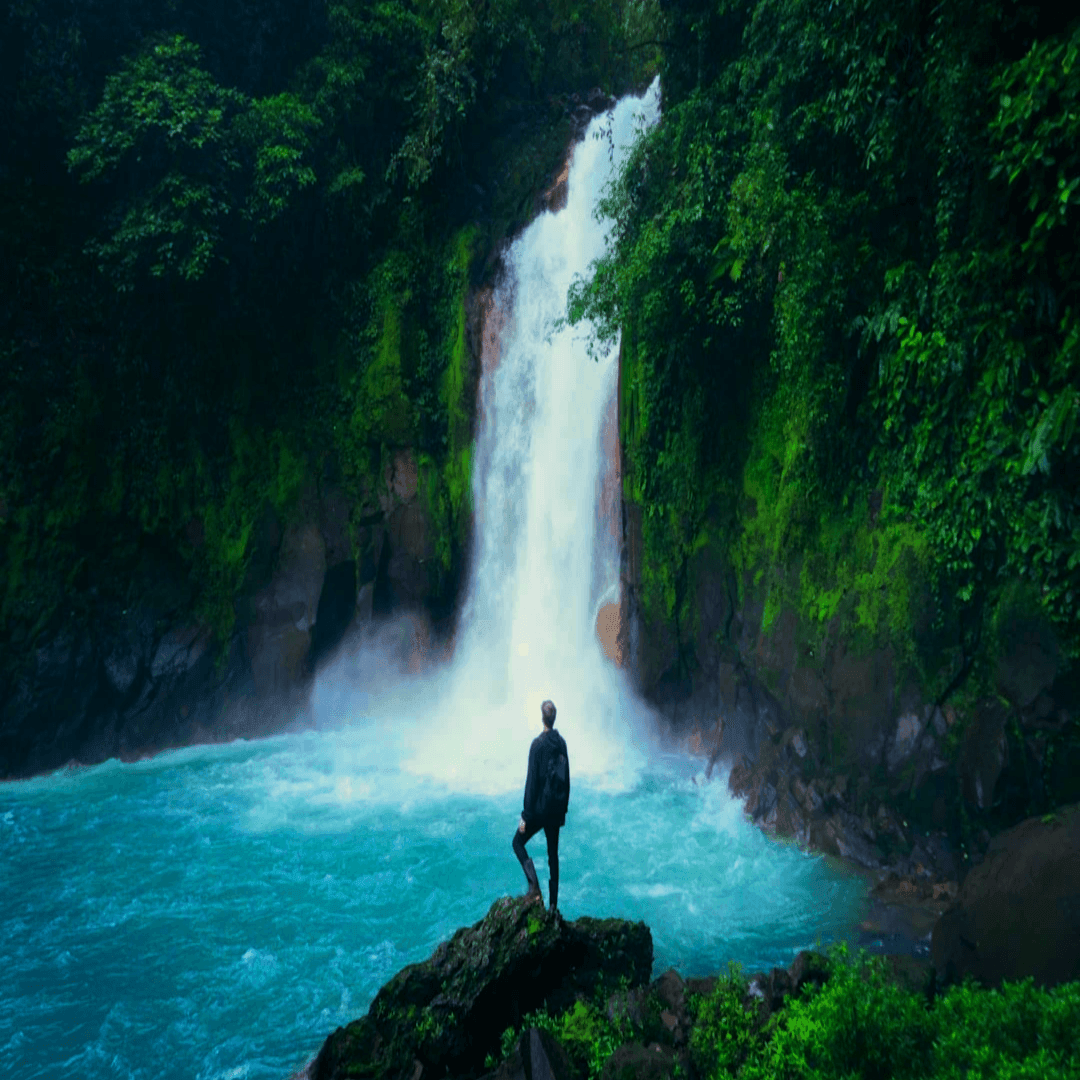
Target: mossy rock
x=447, y=1013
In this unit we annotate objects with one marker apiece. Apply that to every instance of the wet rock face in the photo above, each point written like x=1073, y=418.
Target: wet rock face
x=279, y=636
x=135, y=681
x=1018, y=912
x=447, y=1013
x=820, y=734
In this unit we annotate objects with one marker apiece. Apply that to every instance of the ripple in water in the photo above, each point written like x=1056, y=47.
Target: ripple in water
x=216, y=911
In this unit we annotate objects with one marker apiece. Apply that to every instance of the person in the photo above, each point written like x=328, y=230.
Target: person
x=547, y=795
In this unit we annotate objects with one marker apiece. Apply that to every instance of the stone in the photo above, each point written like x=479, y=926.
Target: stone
x=807, y=692
x=279, y=635
x=179, y=651
x=121, y=668
x=365, y=597
x=634, y=1061
x=630, y=1005
x=982, y=754
x=546, y=1057
x=1030, y=660
x=909, y=727
x=450, y=1011
x=1018, y=911
x=842, y=834
x=798, y=743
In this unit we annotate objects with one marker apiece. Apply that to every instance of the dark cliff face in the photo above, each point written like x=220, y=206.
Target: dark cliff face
x=834, y=739
x=344, y=553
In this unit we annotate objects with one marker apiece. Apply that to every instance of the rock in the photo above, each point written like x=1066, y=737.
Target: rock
x=910, y=973
x=909, y=727
x=1018, y=912
x=631, y=1005
x=179, y=651
x=982, y=754
x=279, y=636
x=797, y=742
x=449, y=1012
x=537, y=1055
x=634, y=1061
x=843, y=834
x=768, y=989
x=1030, y=660
x=121, y=668
x=807, y=693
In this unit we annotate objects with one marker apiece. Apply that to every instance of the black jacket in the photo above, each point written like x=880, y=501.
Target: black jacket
x=544, y=748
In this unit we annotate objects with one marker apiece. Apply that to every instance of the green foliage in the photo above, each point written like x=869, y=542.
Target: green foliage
x=844, y=270
x=164, y=117
x=253, y=268
x=280, y=129
x=860, y=1024
x=585, y=1031
x=1017, y=1031
x=723, y=1027
x=857, y=1025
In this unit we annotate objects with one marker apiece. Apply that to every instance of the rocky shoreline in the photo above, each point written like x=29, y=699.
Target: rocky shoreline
x=525, y=995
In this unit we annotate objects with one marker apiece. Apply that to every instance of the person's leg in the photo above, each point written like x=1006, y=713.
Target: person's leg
x=551, y=833
x=520, y=840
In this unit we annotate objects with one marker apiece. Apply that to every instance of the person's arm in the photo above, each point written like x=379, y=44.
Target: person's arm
x=567, y=753
x=530, y=782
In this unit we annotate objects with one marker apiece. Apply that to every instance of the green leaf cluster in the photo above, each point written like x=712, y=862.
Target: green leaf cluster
x=861, y=1025
x=844, y=272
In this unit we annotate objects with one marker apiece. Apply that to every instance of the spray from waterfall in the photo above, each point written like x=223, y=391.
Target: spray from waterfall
x=545, y=563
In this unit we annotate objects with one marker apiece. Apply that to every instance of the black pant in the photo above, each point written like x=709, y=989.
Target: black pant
x=551, y=832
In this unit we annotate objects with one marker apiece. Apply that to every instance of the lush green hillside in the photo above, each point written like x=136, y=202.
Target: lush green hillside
x=846, y=273
x=235, y=247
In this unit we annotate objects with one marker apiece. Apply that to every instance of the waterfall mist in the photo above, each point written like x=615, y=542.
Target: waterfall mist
x=543, y=564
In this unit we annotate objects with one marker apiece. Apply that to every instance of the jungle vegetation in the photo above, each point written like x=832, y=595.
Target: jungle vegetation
x=846, y=274
x=860, y=1022
x=235, y=244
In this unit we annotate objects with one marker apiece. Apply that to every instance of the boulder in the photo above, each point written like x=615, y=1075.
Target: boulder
x=1018, y=912
x=537, y=1055
x=767, y=990
x=447, y=1013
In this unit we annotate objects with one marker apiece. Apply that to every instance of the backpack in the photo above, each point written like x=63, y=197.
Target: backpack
x=555, y=794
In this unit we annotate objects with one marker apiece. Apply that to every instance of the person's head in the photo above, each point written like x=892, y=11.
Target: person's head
x=547, y=714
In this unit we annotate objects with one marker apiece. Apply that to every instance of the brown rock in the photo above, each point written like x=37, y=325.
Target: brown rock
x=279, y=636
x=1018, y=912
x=807, y=692
x=633, y=1061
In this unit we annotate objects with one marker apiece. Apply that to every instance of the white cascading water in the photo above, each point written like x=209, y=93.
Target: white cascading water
x=542, y=566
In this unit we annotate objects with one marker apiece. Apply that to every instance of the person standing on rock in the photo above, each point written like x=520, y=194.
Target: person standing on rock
x=547, y=795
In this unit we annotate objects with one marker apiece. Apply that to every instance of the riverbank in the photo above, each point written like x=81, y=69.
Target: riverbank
x=525, y=993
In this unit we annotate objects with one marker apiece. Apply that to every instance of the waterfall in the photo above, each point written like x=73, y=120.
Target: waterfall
x=544, y=561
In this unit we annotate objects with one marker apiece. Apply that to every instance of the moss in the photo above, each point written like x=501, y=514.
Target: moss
x=382, y=412
x=448, y=476
x=263, y=468
x=866, y=572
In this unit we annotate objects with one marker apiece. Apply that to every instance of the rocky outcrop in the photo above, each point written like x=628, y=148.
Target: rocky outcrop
x=446, y=1015
x=537, y=1055
x=831, y=742
x=127, y=683
x=1018, y=913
